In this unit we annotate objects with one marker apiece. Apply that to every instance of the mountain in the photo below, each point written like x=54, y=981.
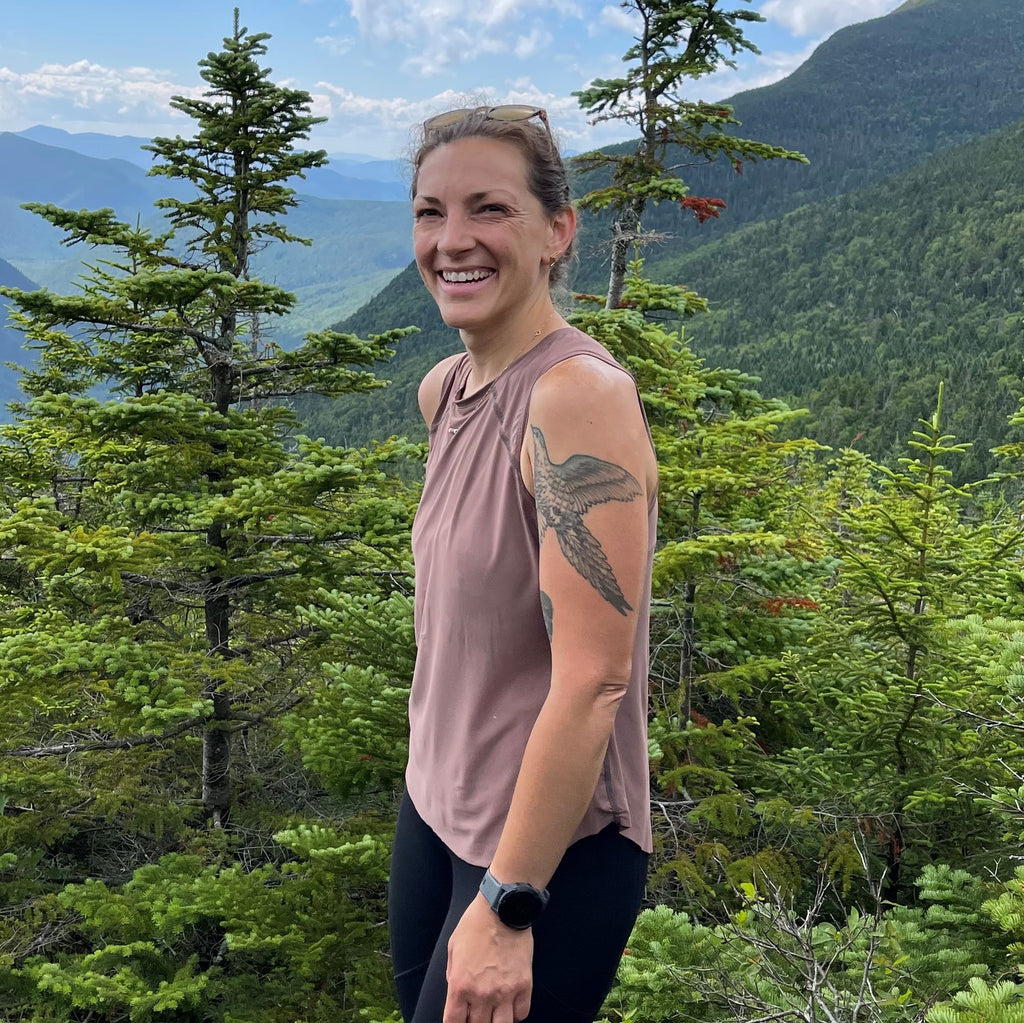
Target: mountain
x=34, y=172
x=327, y=183
x=357, y=245
x=869, y=300
x=875, y=100
x=94, y=144
x=349, y=177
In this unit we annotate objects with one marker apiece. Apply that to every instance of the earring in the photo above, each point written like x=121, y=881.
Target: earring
x=554, y=259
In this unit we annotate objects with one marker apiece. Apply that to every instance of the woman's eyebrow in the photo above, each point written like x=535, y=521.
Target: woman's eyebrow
x=472, y=197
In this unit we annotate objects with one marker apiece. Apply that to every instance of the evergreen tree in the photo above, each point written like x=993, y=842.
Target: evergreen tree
x=677, y=42
x=172, y=555
x=900, y=665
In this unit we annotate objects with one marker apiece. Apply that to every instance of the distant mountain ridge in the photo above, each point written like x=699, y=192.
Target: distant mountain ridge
x=346, y=177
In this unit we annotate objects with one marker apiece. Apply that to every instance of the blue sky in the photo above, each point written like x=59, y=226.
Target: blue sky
x=374, y=67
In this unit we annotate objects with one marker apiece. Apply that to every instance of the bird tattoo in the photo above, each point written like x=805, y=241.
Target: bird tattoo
x=565, y=492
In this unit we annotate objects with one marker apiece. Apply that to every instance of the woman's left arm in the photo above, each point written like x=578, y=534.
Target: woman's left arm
x=590, y=466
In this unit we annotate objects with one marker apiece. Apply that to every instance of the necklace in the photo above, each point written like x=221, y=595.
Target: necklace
x=517, y=354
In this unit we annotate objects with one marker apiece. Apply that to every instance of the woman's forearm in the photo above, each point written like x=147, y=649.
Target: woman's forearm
x=557, y=779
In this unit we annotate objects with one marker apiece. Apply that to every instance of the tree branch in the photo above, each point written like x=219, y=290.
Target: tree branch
x=89, y=746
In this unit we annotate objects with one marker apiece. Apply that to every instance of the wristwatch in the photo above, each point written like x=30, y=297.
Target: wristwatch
x=518, y=905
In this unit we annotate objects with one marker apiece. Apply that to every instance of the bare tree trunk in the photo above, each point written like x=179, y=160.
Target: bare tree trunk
x=625, y=232
x=217, y=615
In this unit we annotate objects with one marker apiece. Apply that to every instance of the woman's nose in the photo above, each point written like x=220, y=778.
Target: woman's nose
x=455, y=234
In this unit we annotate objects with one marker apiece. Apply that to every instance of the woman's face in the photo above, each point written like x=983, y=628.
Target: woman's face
x=482, y=240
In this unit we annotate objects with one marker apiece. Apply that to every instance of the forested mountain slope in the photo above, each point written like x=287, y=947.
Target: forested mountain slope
x=873, y=100
x=344, y=178
x=860, y=305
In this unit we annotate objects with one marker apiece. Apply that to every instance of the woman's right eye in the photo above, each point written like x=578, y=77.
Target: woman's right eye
x=427, y=211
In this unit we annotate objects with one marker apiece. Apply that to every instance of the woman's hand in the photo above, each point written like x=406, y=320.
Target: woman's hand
x=490, y=969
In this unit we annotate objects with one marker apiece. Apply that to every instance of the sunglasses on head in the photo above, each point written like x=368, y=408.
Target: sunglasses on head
x=507, y=112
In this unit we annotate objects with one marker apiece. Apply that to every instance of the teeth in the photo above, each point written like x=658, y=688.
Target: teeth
x=462, y=277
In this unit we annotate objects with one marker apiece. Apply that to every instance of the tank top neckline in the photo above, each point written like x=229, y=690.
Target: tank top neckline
x=465, y=403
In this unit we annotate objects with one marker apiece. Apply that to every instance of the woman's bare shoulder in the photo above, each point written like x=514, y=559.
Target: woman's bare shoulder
x=429, y=394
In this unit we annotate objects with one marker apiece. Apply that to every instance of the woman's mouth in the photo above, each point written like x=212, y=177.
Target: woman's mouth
x=465, y=276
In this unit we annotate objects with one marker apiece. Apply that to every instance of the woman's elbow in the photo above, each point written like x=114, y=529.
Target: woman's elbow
x=602, y=685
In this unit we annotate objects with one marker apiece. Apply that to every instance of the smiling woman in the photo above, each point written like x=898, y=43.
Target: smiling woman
x=521, y=850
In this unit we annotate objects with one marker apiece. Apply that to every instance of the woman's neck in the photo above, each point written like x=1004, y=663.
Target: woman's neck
x=491, y=355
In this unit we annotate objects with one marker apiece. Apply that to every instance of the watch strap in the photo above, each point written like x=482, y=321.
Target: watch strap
x=490, y=888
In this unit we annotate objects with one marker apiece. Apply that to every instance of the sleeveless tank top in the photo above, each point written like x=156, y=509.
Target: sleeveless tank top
x=483, y=665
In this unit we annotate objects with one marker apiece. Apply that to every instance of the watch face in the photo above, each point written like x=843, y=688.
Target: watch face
x=519, y=907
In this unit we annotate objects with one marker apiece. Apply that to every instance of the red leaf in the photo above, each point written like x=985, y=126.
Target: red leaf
x=702, y=209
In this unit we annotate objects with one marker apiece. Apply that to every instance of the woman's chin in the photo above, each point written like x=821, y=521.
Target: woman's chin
x=464, y=319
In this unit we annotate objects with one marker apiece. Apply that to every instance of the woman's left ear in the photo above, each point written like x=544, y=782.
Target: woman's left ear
x=563, y=229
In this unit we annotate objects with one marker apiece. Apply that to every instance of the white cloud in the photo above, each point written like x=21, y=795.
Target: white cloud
x=619, y=19
x=387, y=127
x=822, y=17
x=54, y=90
x=442, y=33
x=336, y=46
x=527, y=46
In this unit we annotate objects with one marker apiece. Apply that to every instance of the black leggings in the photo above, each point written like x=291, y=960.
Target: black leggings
x=595, y=896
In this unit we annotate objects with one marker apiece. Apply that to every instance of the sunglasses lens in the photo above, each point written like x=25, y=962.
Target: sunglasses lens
x=448, y=117
x=513, y=112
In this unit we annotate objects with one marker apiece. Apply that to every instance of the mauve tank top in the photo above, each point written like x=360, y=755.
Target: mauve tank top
x=483, y=666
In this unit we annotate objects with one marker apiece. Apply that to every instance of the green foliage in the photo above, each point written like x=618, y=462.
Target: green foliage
x=1002, y=1002
x=896, y=668
x=186, y=583
x=769, y=960
x=189, y=940
x=353, y=732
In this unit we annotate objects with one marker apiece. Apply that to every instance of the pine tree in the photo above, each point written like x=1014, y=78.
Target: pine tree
x=677, y=43
x=891, y=687
x=171, y=552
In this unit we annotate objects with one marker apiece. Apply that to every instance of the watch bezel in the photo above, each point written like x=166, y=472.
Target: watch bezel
x=517, y=905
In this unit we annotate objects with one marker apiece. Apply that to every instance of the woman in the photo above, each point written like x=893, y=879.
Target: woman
x=522, y=842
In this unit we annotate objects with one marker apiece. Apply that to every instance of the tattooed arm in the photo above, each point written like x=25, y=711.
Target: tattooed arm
x=589, y=463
